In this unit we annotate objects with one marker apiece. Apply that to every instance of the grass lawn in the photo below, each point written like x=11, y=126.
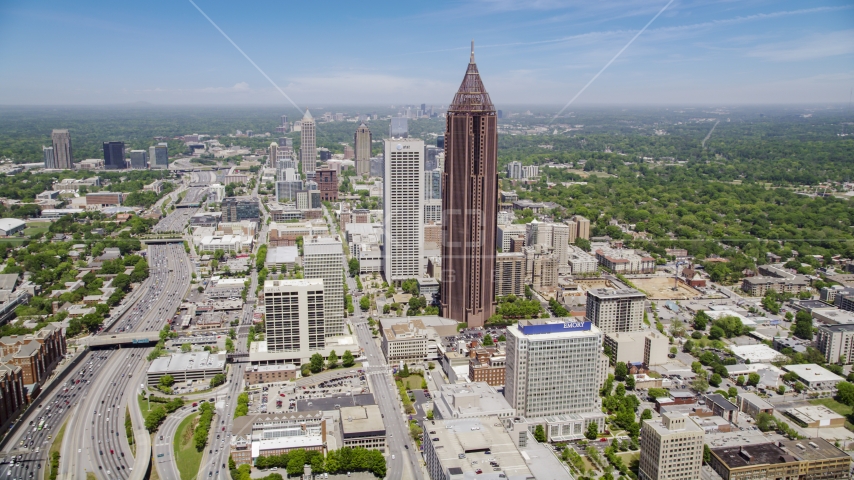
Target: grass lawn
x=412, y=382
x=628, y=457
x=143, y=405
x=91, y=476
x=186, y=456
x=832, y=404
x=588, y=464
x=55, y=446
x=35, y=229
x=15, y=242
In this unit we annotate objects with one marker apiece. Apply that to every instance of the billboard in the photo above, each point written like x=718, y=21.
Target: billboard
x=568, y=325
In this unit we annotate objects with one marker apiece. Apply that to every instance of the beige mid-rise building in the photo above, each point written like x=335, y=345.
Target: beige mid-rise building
x=509, y=274
x=308, y=144
x=671, y=448
x=615, y=310
x=582, y=226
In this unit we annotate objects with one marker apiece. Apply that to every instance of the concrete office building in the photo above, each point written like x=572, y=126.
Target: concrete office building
x=49, y=157
x=469, y=203
x=158, y=155
x=114, y=156
x=403, y=209
x=264, y=434
x=294, y=317
x=471, y=400
x=582, y=226
x=61, y=144
x=671, y=448
x=325, y=260
x=835, y=342
x=308, y=145
x=506, y=233
x=647, y=346
x=509, y=274
x=514, y=170
x=554, y=235
x=552, y=367
x=455, y=449
x=615, y=310
x=138, y=159
x=362, y=145
x=541, y=266
x=363, y=426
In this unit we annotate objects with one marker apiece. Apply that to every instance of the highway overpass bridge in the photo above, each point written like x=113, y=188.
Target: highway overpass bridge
x=134, y=339
x=161, y=241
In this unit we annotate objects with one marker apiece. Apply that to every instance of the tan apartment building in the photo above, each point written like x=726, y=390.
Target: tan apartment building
x=671, y=448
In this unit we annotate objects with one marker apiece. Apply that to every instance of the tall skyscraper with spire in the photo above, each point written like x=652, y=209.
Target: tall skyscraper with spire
x=308, y=145
x=362, y=144
x=469, y=203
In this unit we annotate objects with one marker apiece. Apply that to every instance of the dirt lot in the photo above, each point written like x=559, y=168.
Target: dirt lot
x=661, y=288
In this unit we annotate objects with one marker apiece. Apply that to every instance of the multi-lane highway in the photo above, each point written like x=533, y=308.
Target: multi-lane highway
x=176, y=221
x=100, y=444
x=404, y=461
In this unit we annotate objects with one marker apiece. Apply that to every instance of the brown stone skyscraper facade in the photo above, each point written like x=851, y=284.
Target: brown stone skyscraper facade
x=469, y=203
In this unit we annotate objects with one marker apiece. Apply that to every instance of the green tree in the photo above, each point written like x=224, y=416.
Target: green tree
x=347, y=359
x=316, y=363
x=620, y=371
x=646, y=415
x=218, y=380
x=715, y=380
x=167, y=381
x=740, y=381
x=630, y=382
x=845, y=393
x=540, y=434
x=333, y=359
x=716, y=333
x=592, y=431
x=657, y=393
x=364, y=303
x=753, y=379
x=688, y=346
x=487, y=340
x=353, y=266
x=186, y=347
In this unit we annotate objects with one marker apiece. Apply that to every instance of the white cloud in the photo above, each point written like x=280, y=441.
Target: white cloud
x=813, y=47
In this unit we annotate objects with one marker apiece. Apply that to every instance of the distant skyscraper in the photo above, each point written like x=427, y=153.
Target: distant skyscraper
x=49, y=157
x=362, y=143
x=284, y=127
x=403, y=208
x=138, y=159
x=308, y=145
x=326, y=260
x=470, y=203
x=440, y=142
x=61, y=140
x=500, y=114
x=514, y=170
x=158, y=155
x=399, y=127
x=114, y=156
x=273, y=154
x=431, y=161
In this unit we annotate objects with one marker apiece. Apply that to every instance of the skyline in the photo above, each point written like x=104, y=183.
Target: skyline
x=530, y=52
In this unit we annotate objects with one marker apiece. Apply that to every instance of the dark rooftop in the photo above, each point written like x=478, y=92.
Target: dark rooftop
x=720, y=401
x=328, y=403
x=752, y=455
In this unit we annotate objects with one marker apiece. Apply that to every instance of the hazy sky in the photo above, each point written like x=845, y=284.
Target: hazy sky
x=380, y=52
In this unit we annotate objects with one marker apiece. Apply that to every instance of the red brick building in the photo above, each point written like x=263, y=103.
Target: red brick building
x=35, y=354
x=327, y=183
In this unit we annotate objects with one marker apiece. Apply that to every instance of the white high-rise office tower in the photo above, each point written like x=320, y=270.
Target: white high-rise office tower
x=308, y=145
x=552, y=367
x=61, y=141
x=432, y=196
x=325, y=260
x=294, y=315
x=615, y=310
x=403, y=208
x=49, y=157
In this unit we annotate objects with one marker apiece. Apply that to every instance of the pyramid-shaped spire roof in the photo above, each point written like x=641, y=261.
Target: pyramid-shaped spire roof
x=307, y=115
x=472, y=96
